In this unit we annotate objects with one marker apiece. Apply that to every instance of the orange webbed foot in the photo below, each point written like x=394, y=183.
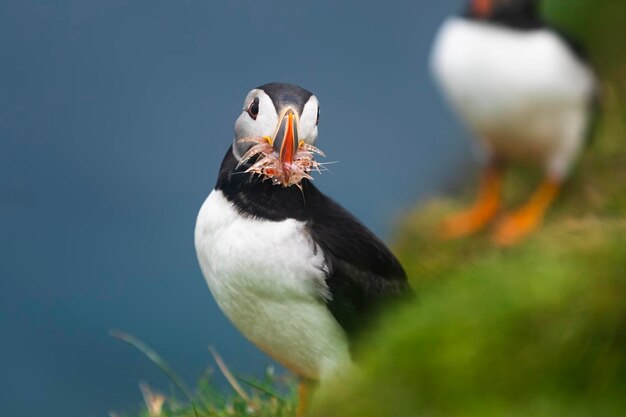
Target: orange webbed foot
x=305, y=389
x=519, y=225
x=484, y=210
x=515, y=227
x=466, y=223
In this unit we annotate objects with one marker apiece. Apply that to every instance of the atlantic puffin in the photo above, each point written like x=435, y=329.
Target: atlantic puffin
x=296, y=273
x=527, y=93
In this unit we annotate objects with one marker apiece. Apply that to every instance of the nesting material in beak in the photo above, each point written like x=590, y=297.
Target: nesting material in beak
x=285, y=160
x=286, y=139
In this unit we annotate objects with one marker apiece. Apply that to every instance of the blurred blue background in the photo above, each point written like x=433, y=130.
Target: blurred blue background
x=114, y=118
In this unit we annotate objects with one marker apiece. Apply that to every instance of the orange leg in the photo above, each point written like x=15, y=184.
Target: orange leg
x=515, y=227
x=305, y=389
x=483, y=211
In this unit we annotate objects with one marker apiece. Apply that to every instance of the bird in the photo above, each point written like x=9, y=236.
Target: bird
x=527, y=93
x=296, y=273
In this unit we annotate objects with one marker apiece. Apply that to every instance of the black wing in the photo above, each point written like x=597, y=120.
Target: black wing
x=363, y=274
x=577, y=49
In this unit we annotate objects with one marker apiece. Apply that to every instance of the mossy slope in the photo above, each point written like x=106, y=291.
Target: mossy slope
x=539, y=330
x=536, y=330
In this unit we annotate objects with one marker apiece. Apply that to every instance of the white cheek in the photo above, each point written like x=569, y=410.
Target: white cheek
x=265, y=123
x=244, y=126
x=308, y=133
x=307, y=129
x=310, y=139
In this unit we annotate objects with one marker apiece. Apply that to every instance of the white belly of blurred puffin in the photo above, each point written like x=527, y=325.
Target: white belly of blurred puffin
x=523, y=93
x=268, y=278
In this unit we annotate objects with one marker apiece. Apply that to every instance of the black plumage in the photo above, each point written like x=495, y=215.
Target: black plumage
x=524, y=15
x=283, y=94
x=362, y=274
x=518, y=14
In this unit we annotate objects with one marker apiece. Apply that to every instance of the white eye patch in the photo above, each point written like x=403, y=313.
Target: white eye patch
x=307, y=128
x=264, y=125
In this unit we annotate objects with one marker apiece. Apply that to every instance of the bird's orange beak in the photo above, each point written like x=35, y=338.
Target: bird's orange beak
x=482, y=8
x=286, y=139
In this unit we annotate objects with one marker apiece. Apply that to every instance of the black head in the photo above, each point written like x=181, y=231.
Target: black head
x=276, y=131
x=286, y=95
x=517, y=13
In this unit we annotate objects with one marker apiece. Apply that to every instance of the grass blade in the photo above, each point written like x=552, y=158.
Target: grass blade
x=155, y=358
x=231, y=378
x=259, y=386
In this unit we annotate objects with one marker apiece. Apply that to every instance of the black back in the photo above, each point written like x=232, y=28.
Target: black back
x=519, y=14
x=363, y=274
x=524, y=15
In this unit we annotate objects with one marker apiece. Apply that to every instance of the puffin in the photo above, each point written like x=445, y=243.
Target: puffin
x=296, y=273
x=527, y=93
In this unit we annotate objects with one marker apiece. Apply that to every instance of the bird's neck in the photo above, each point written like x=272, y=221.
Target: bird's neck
x=260, y=198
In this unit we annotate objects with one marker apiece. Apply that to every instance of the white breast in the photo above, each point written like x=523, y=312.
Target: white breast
x=524, y=93
x=269, y=279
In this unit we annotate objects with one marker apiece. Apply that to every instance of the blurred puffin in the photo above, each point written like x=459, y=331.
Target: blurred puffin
x=527, y=94
x=297, y=274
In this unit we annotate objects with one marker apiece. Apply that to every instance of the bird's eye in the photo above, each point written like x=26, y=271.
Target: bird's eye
x=317, y=121
x=253, y=108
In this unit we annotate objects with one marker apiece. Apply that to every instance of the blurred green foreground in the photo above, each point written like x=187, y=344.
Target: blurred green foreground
x=536, y=330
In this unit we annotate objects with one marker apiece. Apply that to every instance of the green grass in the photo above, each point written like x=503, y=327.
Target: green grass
x=270, y=396
x=538, y=330
x=535, y=330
